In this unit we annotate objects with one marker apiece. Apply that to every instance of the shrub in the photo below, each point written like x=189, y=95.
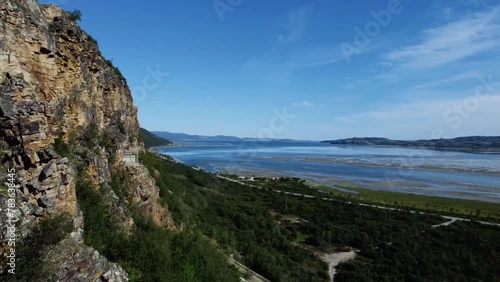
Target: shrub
x=115, y=69
x=75, y=15
x=65, y=148
x=61, y=147
x=91, y=135
x=150, y=253
x=32, y=249
x=92, y=39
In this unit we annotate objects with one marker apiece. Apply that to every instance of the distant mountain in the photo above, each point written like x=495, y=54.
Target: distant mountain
x=152, y=140
x=474, y=143
x=183, y=137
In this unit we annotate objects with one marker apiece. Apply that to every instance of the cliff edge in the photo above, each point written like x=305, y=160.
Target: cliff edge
x=65, y=112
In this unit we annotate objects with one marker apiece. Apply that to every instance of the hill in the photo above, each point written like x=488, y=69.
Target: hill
x=183, y=137
x=152, y=140
x=471, y=143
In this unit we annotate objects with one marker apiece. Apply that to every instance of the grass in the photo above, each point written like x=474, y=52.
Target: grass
x=31, y=265
x=180, y=176
x=452, y=206
x=300, y=238
x=477, y=210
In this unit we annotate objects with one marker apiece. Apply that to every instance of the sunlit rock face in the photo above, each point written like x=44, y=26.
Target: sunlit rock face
x=54, y=83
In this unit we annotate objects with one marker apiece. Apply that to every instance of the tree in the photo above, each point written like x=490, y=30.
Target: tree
x=478, y=212
x=75, y=15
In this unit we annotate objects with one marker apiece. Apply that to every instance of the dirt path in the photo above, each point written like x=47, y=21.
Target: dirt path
x=335, y=259
x=446, y=223
x=254, y=276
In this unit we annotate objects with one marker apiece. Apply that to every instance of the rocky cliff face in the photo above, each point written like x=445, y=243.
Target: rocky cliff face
x=54, y=85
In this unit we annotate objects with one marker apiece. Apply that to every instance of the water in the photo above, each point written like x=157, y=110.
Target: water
x=419, y=171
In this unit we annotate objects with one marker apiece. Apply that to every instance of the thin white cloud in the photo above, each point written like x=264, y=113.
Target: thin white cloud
x=305, y=104
x=473, y=2
x=452, y=42
x=454, y=117
x=304, y=58
x=447, y=13
x=316, y=56
x=295, y=26
x=453, y=78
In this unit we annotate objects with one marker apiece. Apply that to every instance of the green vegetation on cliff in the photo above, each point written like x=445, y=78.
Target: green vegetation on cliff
x=32, y=249
x=75, y=15
x=150, y=253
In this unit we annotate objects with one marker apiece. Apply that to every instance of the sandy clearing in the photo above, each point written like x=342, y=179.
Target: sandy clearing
x=334, y=259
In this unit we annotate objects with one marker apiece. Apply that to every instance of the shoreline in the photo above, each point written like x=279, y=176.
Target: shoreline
x=360, y=164
x=462, y=207
x=421, y=168
x=409, y=168
x=493, y=151
x=350, y=186
x=484, y=194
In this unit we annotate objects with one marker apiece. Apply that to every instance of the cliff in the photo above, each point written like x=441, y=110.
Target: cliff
x=56, y=88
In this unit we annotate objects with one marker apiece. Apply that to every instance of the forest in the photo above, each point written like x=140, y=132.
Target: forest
x=393, y=245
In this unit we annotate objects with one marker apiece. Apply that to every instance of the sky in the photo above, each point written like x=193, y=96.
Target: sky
x=305, y=69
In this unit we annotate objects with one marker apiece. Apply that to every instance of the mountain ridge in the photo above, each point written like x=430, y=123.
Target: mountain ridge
x=152, y=140
x=184, y=137
x=473, y=143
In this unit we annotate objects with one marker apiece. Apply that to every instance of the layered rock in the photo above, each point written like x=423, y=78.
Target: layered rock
x=142, y=190
x=54, y=83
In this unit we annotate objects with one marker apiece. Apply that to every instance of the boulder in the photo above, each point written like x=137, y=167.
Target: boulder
x=34, y=186
x=30, y=159
x=49, y=183
x=48, y=170
x=52, y=153
x=25, y=209
x=38, y=211
x=43, y=156
x=47, y=202
x=51, y=193
x=66, y=179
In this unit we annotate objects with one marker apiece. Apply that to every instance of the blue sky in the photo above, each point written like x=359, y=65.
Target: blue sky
x=306, y=69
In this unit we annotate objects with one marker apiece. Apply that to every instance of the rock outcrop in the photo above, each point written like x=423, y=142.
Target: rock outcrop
x=55, y=84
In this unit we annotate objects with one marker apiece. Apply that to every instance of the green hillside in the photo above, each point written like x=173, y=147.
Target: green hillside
x=151, y=140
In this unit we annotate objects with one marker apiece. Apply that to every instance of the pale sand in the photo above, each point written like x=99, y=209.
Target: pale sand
x=425, y=168
x=335, y=259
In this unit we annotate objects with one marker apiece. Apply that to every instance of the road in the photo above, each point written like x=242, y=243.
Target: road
x=451, y=219
x=254, y=276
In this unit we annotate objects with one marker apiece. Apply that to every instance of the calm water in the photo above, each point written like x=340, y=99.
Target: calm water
x=439, y=173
